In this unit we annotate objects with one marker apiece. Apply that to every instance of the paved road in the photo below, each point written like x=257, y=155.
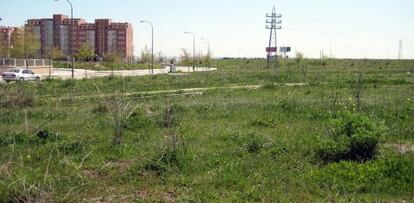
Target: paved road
x=65, y=74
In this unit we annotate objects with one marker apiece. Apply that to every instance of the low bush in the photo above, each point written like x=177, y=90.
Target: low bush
x=17, y=98
x=353, y=137
x=7, y=139
x=100, y=110
x=253, y=143
x=138, y=121
x=173, y=156
x=264, y=122
x=391, y=174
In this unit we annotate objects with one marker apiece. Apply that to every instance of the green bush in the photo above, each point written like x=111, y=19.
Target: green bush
x=264, y=122
x=354, y=137
x=19, y=97
x=254, y=143
x=100, y=110
x=392, y=174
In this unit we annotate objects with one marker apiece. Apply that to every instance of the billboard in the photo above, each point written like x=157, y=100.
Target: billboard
x=271, y=49
x=285, y=49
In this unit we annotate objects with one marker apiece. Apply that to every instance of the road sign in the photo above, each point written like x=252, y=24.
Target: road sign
x=284, y=49
x=271, y=49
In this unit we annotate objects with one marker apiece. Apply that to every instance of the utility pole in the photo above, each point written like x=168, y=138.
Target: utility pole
x=400, y=50
x=70, y=38
x=273, y=24
x=26, y=24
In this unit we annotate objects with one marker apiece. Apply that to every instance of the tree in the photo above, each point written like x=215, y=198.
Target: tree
x=3, y=46
x=185, y=57
x=206, y=59
x=113, y=58
x=52, y=54
x=25, y=43
x=161, y=58
x=85, y=53
x=298, y=59
x=145, y=56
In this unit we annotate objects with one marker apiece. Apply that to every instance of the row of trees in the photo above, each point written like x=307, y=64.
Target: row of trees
x=185, y=58
x=23, y=44
x=200, y=59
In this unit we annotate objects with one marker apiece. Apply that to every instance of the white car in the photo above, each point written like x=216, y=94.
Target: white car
x=20, y=74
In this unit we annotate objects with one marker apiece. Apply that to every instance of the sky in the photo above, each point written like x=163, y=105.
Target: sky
x=236, y=28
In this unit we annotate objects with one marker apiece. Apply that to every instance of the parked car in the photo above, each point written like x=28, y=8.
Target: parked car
x=20, y=74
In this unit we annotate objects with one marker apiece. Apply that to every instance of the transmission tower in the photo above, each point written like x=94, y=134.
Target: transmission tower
x=400, y=50
x=273, y=24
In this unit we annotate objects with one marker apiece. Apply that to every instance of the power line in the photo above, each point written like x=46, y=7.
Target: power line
x=336, y=35
x=310, y=20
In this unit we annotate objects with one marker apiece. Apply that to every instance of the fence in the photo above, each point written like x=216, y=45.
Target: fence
x=31, y=63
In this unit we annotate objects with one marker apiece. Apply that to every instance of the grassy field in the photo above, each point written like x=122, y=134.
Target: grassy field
x=291, y=134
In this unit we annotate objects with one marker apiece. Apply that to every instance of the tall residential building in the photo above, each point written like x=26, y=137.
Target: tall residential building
x=103, y=36
x=5, y=37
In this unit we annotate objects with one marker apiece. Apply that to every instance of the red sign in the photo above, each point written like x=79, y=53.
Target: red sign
x=271, y=49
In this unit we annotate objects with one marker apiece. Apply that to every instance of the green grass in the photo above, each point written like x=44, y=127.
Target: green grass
x=232, y=145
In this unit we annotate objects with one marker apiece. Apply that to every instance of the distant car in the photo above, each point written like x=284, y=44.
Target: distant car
x=20, y=74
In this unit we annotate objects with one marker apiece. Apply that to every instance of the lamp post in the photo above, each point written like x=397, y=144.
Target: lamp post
x=8, y=52
x=70, y=37
x=208, y=48
x=26, y=23
x=152, y=44
x=193, y=48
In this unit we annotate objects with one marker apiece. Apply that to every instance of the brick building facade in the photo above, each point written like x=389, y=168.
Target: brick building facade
x=5, y=38
x=103, y=36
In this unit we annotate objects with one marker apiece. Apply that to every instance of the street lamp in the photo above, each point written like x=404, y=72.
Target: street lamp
x=193, y=48
x=152, y=44
x=26, y=23
x=70, y=37
x=208, y=48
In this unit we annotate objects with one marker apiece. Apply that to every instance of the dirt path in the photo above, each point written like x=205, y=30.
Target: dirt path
x=174, y=92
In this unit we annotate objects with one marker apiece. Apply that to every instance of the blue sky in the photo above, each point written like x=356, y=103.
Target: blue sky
x=345, y=29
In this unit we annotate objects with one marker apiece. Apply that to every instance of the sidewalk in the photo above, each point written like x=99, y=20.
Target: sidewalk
x=65, y=73
x=82, y=73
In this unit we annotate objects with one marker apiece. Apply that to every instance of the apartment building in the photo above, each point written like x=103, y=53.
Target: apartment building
x=5, y=37
x=103, y=36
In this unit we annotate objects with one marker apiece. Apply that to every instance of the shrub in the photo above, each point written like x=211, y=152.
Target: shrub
x=354, y=137
x=138, y=121
x=173, y=156
x=169, y=117
x=254, y=143
x=7, y=139
x=18, y=98
x=68, y=83
x=265, y=122
x=392, y=174
x=100, y=109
